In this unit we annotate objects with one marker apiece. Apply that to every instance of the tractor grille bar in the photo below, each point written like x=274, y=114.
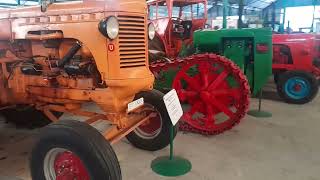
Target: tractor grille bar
x=132, y=41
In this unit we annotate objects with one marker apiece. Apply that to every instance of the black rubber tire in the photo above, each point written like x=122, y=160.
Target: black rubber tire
x=27, y=117
x=161, y=141
x=80, y=138
x=284, y=77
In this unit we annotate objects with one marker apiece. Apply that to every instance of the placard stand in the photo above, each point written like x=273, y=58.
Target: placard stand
x=171, y=165
x=259, y=113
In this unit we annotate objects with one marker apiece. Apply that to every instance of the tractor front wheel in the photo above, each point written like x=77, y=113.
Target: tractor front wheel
x=73, y=150
x=215, y=93
x=154, y=134
x=297, y=87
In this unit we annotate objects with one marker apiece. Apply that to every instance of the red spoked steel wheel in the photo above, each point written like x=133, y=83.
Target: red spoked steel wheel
x=216, y=91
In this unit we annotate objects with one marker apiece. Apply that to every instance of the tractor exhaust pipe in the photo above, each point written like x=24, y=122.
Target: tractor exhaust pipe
x=72, y=51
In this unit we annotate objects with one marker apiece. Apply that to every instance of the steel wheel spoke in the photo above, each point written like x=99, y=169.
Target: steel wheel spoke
x=195, y=107
x=178, y=85
x=189, y=93
x=204, y=71
x=184, y=94
x=216, y=103
x=227, y=92
x=210, y=116
x=191, y=82
x=219, y=80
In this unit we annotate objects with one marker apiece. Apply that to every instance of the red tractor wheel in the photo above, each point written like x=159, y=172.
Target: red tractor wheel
x=68, y=150
x=215, y=91
x=153, y=134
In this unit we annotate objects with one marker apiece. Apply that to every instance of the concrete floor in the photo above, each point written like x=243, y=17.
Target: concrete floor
x=284, y=147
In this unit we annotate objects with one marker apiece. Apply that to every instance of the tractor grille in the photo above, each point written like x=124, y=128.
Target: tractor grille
x=132, y=41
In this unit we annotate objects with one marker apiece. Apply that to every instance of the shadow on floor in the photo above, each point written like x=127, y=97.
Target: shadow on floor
x=271, y=95
x=269, y=92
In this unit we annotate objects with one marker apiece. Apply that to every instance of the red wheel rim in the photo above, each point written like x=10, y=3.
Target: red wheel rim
x=297, y=88
x=216, y=91
x=61, y=164
x=69, y=166
x=152, y=127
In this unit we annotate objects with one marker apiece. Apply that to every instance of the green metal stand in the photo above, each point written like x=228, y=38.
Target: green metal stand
x=259, y=113
x=171, y=166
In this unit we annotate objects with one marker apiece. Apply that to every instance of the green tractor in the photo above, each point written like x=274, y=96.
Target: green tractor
x=214, y=84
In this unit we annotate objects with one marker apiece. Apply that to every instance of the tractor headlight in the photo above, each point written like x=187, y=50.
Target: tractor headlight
x=109, y=27
x=151, y=31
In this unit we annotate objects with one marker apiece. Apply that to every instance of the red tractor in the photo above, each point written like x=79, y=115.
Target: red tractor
x=296, y=66
x=175, y=21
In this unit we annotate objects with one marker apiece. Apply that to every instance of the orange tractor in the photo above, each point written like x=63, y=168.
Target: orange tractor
x=57, y=56
x=175, y=21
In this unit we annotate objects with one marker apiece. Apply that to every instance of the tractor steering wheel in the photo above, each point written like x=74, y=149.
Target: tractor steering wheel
x=177, y=25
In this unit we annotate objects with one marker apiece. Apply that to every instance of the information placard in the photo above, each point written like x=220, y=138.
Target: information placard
x=173, y=105
x=135, y=104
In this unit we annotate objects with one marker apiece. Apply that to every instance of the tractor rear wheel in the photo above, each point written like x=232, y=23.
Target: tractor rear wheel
x=215, y=93
x=297, y=87
x=154, y=134
x=27, y=117
x=73, y=150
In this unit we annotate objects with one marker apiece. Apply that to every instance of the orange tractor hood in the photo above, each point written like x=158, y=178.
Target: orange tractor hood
x=86, y=6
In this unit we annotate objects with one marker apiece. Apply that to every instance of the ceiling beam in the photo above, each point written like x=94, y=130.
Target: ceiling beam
x=234, y=3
